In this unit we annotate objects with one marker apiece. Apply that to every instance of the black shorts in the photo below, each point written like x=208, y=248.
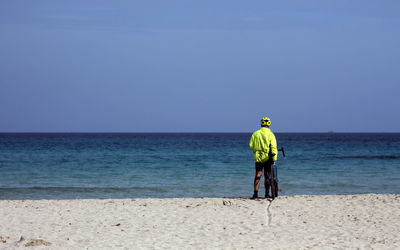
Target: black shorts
x=264, y=165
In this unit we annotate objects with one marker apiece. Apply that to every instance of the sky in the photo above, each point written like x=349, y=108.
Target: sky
x=199, y=66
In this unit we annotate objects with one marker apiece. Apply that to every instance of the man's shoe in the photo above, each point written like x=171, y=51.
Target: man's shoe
x=255, y=196
x=268, y=196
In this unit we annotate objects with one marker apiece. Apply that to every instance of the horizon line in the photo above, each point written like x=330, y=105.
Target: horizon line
x=212, y=132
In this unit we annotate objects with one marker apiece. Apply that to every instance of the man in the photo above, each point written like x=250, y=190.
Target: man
x=263, y=144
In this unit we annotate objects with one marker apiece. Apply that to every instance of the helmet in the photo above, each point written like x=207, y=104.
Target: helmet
x=265, y=121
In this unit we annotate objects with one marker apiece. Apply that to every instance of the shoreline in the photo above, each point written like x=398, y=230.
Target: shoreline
x=301, y=221
x=261, y=197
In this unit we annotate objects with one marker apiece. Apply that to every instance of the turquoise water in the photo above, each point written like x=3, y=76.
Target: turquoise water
x=68, y=166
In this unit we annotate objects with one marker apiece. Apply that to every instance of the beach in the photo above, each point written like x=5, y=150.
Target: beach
x=367, y=221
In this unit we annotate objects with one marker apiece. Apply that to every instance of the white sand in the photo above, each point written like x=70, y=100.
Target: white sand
x=299, y=222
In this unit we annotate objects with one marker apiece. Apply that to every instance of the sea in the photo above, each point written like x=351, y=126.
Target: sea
x=177, y=165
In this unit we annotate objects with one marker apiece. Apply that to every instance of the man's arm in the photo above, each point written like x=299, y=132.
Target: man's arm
x=274, y=148
x=251, y=144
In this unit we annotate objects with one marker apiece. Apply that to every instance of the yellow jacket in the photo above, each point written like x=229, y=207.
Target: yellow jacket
x=261, y=142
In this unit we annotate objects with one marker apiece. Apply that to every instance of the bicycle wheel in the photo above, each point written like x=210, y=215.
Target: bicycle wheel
x=274, y=184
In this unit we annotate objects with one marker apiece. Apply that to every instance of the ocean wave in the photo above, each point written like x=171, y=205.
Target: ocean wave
x=36, y=192
x=363, y=157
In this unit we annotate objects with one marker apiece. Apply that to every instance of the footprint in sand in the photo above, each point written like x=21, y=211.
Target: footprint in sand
x=2, y=239
x=37, y=242
x=34, y=242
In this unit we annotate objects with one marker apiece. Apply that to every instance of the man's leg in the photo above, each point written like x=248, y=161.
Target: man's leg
x=267, y=183
x=257, y=178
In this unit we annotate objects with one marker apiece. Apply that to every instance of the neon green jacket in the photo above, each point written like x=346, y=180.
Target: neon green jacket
x=261, y=142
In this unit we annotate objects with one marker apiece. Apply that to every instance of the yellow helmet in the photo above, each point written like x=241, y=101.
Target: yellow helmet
x=265, y=121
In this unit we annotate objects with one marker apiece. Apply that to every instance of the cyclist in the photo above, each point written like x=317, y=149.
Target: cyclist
x=263, y=144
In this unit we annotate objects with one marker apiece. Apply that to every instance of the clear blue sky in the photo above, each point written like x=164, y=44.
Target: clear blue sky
x=199, y=66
